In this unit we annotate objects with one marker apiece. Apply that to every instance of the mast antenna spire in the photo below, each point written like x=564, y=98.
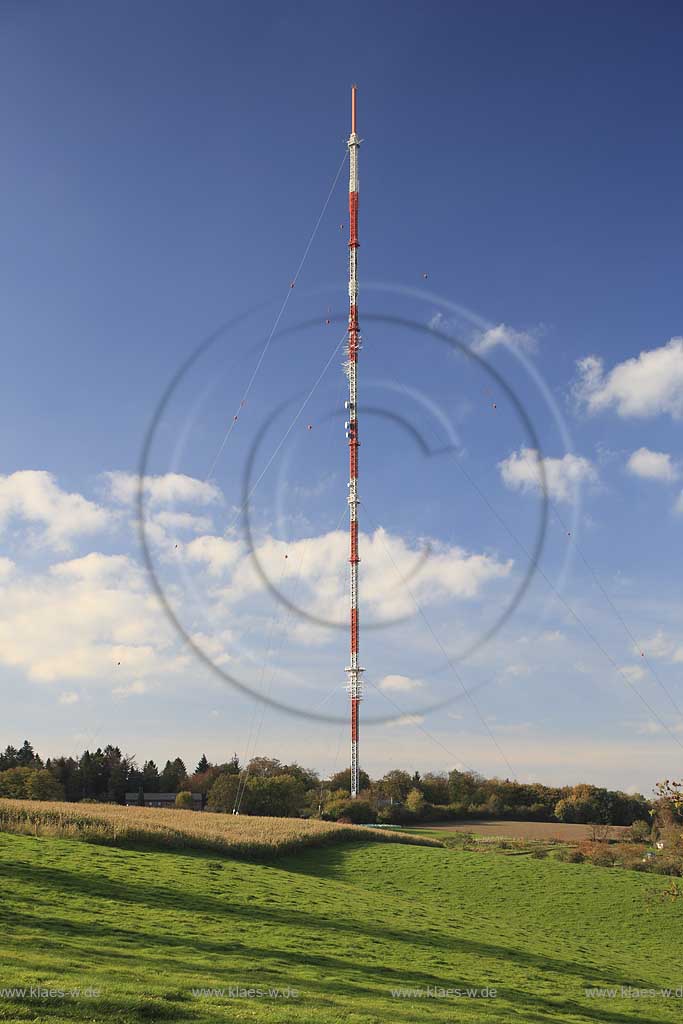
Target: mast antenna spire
x=353, y=670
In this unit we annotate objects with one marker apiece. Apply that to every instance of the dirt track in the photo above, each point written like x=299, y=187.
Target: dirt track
x=527, y=829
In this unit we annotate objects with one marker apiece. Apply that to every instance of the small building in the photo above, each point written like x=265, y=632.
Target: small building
x=166, y=800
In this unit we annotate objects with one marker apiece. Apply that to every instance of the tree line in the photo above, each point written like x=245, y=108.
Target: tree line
x=265, y=786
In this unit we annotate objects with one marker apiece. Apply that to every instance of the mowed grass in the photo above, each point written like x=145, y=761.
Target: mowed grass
x=238, y=835
x=342, y=925
x=527, y=830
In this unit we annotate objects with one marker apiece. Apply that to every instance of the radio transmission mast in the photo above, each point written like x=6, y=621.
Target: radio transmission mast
x=353, y=670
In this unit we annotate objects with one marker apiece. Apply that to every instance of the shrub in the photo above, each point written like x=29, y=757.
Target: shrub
x=456, y=811
x=666, y=865
x=281, y=796
x=672, y=837
x=354, y=812
x=14, y=782
x=42, y=785
x=477, y=811
x=390, y=815
x=495, y=807
x=577, y=810
x=30, y=784
x=459, y=840
x=639, y=832
x=630, y=856
x=342, y=780
x=571, y=855
x=277, y=796
x=183, y=800
x=222, y=793
x=600, y=854
x=435, y=788
x=599, y=833
x=415, y=803
x=430, y=812
x=201, y=782
x=564, y=810
x=536, y=812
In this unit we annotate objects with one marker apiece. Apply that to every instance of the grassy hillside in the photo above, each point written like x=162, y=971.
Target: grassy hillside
x=240, y=835
x=342, y=925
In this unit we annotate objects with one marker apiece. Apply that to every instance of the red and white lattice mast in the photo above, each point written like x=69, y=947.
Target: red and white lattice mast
x=353, y=670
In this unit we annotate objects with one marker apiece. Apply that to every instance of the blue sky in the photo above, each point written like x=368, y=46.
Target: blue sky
x=163, y=169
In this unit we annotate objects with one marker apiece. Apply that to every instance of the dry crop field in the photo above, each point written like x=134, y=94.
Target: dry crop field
x=223, y=833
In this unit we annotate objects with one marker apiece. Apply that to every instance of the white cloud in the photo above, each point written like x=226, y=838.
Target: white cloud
x=521, y=472
x=634, y=673
x=652, y=728
x=658, y=646
x=218, y=554
x=98, y=568
x=134, y=689
x=501, y=334
x=652, y=465
x=34, y=497
x=90, y=618
x=178, y=522
x=489, y=338
x=547, y=636
x=163, y=521
x=399, y=684
x=511, y=728
x=315, y=562
x=7, y=567
x=94, y=617
x=406, y=720
x=216, y=646
x=68, y=697
x=438, y=322
x=168, y=489
x=517, y=670
x=646, y=385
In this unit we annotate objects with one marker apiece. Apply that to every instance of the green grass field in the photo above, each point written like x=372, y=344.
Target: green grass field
x=342, y=925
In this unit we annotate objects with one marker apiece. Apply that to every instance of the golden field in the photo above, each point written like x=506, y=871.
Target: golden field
x=112, y=824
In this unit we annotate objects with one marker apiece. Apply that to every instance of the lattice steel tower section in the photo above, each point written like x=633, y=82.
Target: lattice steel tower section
x=353, y=670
